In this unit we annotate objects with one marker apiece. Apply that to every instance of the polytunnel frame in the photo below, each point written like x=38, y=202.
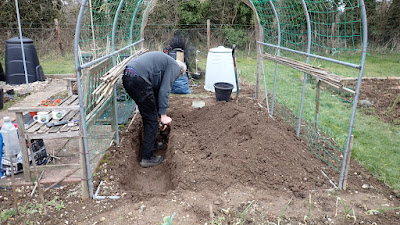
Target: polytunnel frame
x=78, y=69
x=360, y=67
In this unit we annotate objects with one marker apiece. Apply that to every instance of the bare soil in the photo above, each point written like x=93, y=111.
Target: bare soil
x=225, y=163
x=382, y=94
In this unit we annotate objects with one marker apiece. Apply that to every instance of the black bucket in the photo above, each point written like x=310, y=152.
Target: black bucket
x=223, y=91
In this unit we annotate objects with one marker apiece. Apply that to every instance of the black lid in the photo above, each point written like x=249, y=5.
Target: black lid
x=16, y=40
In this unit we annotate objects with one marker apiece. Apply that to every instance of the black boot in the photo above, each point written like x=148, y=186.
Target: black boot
x=153, y=161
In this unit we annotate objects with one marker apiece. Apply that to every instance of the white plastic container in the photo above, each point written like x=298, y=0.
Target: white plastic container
x=219, y=68
x=10, y=139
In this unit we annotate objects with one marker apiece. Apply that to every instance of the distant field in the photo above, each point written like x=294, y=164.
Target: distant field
x=58, y=64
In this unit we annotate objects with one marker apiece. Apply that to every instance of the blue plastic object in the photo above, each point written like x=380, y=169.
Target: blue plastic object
x=1, y=153
x=181, y=85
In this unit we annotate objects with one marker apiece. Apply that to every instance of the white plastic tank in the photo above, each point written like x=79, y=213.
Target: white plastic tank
x=219, y=68
x=10, y=139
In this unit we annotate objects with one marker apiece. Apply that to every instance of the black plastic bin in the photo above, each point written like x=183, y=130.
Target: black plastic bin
x=15, y=73
x=2, y=75
x=223, y=91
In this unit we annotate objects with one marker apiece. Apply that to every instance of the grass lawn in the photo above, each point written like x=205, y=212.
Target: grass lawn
x=376, y=144
x=58, y=64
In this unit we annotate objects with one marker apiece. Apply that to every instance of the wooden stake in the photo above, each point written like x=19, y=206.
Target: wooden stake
x=84, y=171
x=211, y=214
x=37, y=177
x=317, y=98
x=348, y=163
x=22, y=143
x=36, y=184
x=13, y=182
x=92, y=26
x=208, y=35
x=59, y=36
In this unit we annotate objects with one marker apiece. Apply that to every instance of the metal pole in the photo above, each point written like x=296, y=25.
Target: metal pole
x=307, y=60
x=132, y=23
x=277, y=53
x=258, y=63
x=265, y=82
x=114, y=28
x=81, y=105
x=22, y=45
x=86, y=65
x=360, y=74
x=259, y=39
x=314, y=56
x=116, y=127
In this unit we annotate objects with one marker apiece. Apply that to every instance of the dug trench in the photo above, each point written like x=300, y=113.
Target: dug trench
x=223, y=157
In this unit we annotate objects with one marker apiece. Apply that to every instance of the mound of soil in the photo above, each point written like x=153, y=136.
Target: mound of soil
x=226, y=155
x=382, y=94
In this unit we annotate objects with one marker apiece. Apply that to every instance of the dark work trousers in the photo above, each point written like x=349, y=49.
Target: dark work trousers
x=144, y=96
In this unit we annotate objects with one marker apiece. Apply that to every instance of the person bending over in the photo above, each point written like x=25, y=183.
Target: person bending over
x=148, y=79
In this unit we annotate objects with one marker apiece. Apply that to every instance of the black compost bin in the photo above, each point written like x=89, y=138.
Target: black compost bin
x=2, y=76
x=15, y=73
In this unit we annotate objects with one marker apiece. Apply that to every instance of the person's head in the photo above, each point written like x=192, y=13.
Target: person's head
x=183, y=67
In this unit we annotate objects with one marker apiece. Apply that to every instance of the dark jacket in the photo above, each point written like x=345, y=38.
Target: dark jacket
x=161, y=71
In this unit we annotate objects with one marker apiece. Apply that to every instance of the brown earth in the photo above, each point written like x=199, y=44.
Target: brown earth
x=382, y=94
x=225, y=163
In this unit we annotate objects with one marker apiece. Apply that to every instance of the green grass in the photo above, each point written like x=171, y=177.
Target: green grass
x=58, y=64
x=376, y=144
x=54, y=64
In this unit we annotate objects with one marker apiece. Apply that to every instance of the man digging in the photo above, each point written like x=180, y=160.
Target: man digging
x=148, y=79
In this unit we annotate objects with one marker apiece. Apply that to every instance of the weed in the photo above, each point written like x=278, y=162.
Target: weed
x=347, y=211
x=244, y=212
x=283, y=212
x=58, y=205
x=380, y=211
x=168, y=220
x=7, y=213
x=219, y=221
x=308, y=216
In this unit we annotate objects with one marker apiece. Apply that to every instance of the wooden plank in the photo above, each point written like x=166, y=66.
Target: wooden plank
x=54, y=135
x=24, y=149
x=75, y=102
x=52, y=167
x=69, y=100
x=45, y=108
x=56, y=129
x=43, y=129
x=84, y=171
x=34, y=128
x=370, y=78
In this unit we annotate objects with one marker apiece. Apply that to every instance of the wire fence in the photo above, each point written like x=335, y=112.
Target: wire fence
x=326, y=109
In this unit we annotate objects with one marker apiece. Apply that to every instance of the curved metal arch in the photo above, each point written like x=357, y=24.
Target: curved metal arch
x=278, y=25
x=360, y=75
x=114, y=28
x=133, y=21
x=307, y=60
x=78, y=70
